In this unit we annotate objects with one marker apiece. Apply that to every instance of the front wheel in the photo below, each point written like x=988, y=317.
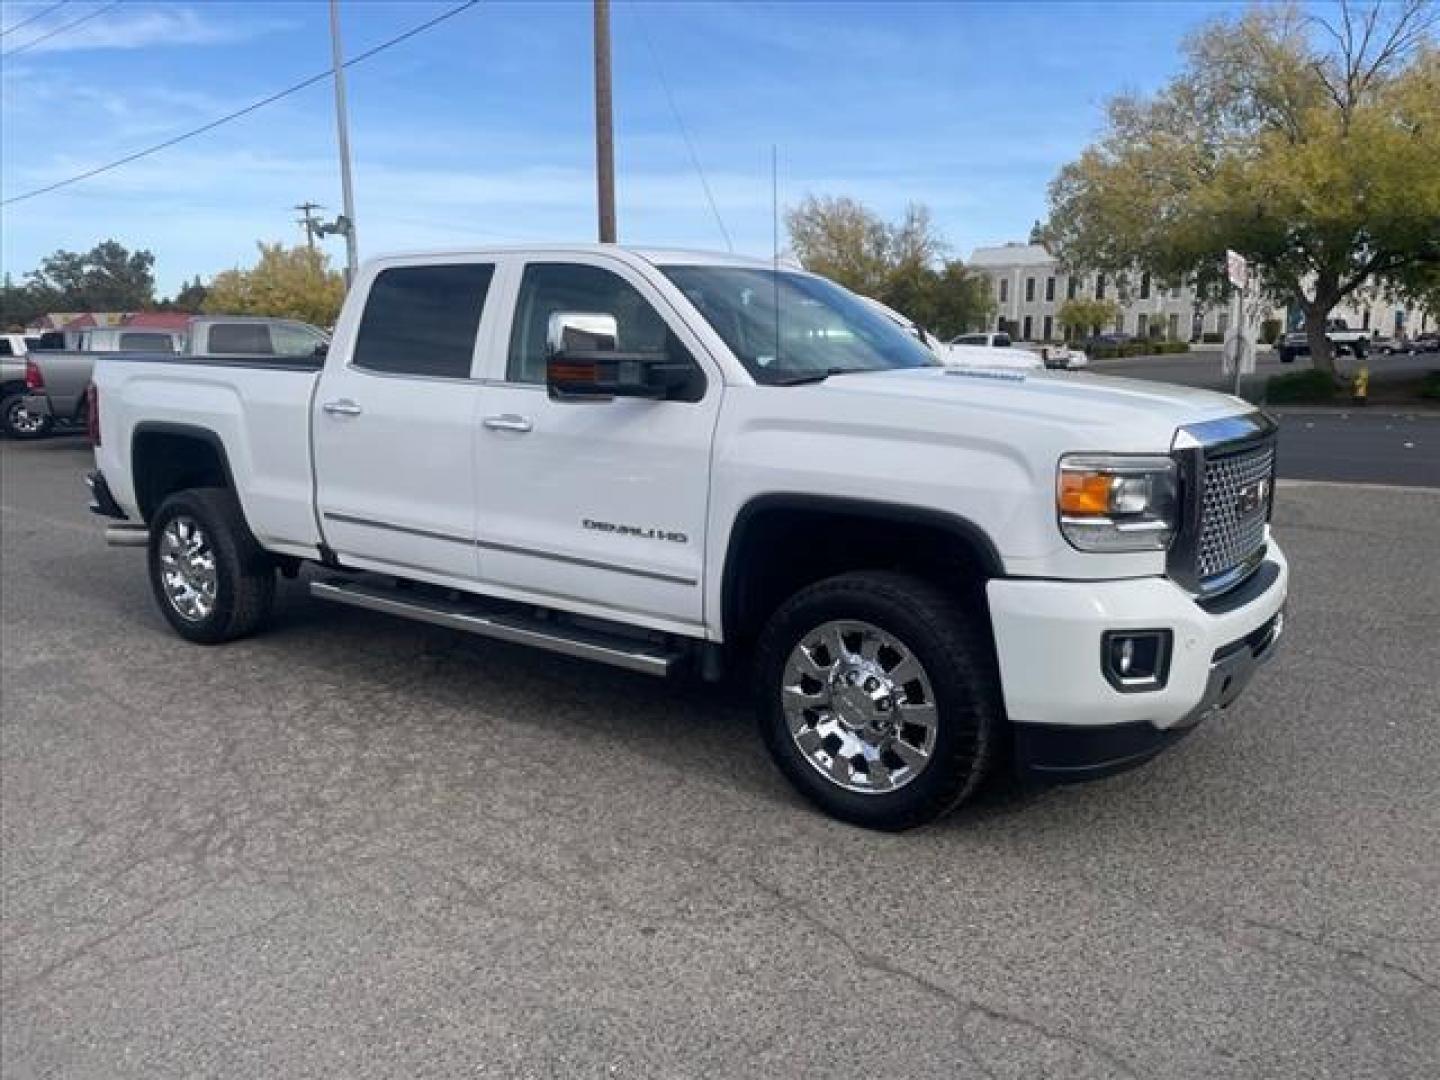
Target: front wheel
x=210, y=576
x=18, y=422
x=879, y=698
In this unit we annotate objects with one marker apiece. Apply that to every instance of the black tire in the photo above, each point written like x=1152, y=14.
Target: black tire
x=12, y=405
x=244, y=587
x=952, y=644
x=1359, y=349
x=1286, y=356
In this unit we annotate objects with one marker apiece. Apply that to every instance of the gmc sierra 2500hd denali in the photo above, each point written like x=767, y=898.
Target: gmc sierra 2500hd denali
x=668, y=460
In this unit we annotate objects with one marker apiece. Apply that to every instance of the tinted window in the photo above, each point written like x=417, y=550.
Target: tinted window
x=250, y=338
x=1001, y=341
x=5, y=349
x=422, y=320
x=970, y=339
x=550, y=287
x=135, y=342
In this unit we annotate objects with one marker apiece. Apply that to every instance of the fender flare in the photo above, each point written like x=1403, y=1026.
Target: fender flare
x=972, y=536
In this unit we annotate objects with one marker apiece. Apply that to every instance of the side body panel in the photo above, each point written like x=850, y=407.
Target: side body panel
x=260, y=415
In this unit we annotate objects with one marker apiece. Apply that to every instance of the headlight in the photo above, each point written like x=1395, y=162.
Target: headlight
x=1117, y=502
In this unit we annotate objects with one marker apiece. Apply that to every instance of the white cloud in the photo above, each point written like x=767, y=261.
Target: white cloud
x=142, y=28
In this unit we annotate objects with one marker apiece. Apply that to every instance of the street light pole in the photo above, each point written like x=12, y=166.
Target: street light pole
x=342, y=125
x=604, y=124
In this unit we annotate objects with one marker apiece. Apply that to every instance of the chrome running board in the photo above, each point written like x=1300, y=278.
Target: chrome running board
x=470, y=615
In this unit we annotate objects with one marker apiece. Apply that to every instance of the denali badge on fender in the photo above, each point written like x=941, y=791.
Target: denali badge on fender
x=635, y=530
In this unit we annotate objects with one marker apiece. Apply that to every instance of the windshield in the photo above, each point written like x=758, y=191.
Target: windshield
x=821, y=328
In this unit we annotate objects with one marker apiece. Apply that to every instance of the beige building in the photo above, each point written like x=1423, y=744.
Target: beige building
x=1029, y=286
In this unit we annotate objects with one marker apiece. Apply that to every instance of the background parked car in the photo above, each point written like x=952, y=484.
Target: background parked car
x=1337, y=331
x=56, y=378
x=16, y=422
x=1422, y=343
x=233, y=335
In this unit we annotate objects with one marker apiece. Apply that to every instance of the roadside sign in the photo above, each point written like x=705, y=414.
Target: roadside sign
x=1236, y=269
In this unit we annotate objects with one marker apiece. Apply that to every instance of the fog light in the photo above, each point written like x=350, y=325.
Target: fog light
x=1135, y=660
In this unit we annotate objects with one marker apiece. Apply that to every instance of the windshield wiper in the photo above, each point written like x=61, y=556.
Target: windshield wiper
x=812, y=376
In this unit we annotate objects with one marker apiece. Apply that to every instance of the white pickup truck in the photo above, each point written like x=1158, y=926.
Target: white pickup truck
x=675, y=461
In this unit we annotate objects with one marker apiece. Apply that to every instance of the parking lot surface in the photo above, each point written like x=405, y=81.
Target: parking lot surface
x=360, y=847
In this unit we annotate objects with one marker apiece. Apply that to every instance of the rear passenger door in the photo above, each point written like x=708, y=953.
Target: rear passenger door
x=394, y=423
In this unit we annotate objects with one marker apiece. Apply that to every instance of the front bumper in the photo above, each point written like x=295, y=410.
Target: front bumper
x=1070, y=722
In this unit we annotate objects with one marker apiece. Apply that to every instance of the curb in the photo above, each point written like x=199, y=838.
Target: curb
x=1413, y=489
x=1388, y=412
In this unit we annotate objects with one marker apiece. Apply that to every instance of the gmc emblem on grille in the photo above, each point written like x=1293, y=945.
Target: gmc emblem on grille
x=1252, y=497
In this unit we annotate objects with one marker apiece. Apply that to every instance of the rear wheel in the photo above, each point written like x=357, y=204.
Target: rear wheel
x=210, y=576
x=879, y=698
x=18, y=422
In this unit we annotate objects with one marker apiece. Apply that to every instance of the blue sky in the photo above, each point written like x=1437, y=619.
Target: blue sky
x=479, y=131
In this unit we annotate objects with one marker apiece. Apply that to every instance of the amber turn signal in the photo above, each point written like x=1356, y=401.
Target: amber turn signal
x=1083, y=493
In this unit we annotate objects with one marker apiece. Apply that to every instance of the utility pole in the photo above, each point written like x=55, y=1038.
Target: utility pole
x=346, y=223
x=604, y=124
x=309, y=222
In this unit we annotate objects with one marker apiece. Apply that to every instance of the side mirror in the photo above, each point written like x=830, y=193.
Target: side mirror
x=580, y=331
x=582, y=363
x=321, y=350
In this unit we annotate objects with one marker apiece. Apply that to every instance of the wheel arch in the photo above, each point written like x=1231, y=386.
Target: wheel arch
x=159, y=465
x=766, y=559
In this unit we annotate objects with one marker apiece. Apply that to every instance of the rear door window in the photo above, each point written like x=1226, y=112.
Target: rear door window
x=137, y=342
x=422, y=320
x=251, y=339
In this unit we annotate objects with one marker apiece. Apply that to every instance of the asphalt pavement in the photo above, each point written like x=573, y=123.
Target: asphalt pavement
x=1201, y=367
x=360, y=847
x=1376, y=444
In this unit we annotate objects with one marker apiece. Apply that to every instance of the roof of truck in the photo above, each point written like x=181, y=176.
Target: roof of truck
x=655, y=255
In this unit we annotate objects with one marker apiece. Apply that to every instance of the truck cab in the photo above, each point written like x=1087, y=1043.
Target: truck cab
x=677, y=461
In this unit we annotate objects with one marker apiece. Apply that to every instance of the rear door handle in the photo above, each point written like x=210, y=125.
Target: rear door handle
x=508, y=422
x=343, y=407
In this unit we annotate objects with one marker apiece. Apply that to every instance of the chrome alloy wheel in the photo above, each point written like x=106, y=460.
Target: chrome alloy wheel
x=21, y=420
x=187, y=568
x=860, y=707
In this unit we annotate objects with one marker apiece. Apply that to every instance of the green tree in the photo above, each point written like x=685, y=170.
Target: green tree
x=294, y=283
x=190, y=298
x=900, y=264
x=843, y=240
x=108, y=277
x=1309, y=146
x=19, y=304
x=1082, y=317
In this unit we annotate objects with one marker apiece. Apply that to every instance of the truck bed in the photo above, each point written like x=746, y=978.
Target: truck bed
x=259, y=406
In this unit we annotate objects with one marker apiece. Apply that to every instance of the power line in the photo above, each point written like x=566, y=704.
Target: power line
x=61, y=29
x=33, y=18
x=685, y=134
x=252, y=107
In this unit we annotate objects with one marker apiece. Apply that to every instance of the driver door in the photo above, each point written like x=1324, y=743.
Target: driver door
x=595, y=505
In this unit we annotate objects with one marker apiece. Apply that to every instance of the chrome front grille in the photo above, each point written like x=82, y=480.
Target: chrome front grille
x=1227, y=479
x=1234, y=506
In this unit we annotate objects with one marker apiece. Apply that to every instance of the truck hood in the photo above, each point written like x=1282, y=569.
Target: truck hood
x=1098, y=409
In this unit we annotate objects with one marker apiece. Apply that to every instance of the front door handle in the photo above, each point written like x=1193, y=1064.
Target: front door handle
x=508, y=422
x=343, y=407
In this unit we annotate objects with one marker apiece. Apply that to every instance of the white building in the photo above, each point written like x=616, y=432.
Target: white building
x=1028, y=287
